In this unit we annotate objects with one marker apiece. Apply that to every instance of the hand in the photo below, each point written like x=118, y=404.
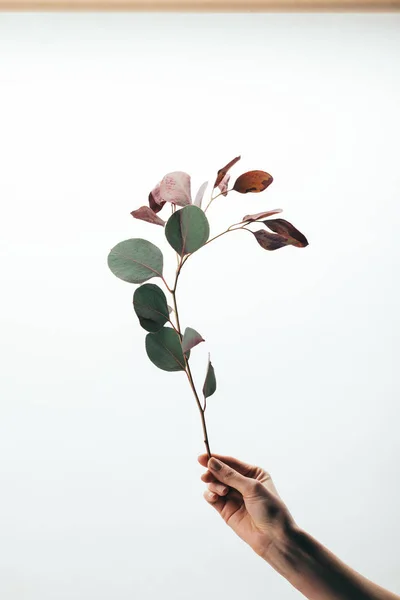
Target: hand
x=247, y=500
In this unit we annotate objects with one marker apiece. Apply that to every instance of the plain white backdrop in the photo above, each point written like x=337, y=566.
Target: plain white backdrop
x=100, y=493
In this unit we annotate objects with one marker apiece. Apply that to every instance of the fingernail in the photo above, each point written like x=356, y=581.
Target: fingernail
x=214, y=464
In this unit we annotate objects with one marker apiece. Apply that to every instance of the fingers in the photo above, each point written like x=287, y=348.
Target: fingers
x=228, y=475
x=218, y=488
x=239, y=466
x=213, y=499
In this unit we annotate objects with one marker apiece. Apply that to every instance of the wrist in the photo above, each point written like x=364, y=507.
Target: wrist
x=284, y=552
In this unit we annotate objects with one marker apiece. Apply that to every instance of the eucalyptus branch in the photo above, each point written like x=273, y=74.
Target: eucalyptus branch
x=187, y=230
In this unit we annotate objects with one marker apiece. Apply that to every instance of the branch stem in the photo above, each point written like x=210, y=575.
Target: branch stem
x=187, y=370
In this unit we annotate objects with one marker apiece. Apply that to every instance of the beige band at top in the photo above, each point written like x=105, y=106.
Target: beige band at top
x=204, y=5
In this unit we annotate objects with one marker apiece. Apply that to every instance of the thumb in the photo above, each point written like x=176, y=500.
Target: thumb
x=228, y=475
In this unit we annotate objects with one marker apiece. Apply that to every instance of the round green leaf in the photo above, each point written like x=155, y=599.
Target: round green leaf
x=164, y=350
x=187, y=229
x=151, y=307
x=136, y=260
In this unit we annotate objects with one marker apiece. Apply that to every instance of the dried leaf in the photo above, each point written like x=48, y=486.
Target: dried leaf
x=200, y=194
x=191, y=338
x=260, y=215
x=222, y=172
x=288, y=231
x=175, y=188
x=252, y=181
x=155, y=201
x=223, y=186
x=144, y=213
x=270, y=241
x=210, y=383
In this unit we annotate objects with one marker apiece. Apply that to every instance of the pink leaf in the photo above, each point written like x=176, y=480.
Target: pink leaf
x=261, y=215
x=223, y=186
x=200, y=194
x=190, y=339
x=144, y=213
x=175, y=188
x=155, y=201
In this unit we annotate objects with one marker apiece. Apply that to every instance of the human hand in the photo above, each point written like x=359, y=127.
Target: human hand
x=247, y=500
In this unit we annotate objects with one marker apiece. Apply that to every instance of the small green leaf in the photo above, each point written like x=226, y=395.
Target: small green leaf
x=164, y=350
x=191, y=338
x=187, y=230
x=151, y=307
x=210, y=383
x=136, y=260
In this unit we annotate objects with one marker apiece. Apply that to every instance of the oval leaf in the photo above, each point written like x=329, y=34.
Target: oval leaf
x=187, y=229
x=222, y=172
x=151, y=307
x=252, y=181
x=145, y=213
x=260, y=215
x=199, y=196
x=155, y=201
x=288, y=231
x=175, y=188
x=191, y=338
x=270, y=241
x=164, y=350
x=135, y=260
x=210, y=383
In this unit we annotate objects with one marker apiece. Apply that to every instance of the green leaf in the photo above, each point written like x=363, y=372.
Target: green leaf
x=187, y=230
x=164, y=350
x=151, y=307
x=191, y=338
x=136, y=260
x=210, y=383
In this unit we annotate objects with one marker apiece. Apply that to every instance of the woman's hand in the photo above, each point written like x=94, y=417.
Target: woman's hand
x=247, y=500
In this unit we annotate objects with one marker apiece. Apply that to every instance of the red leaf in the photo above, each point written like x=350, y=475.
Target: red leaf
x=155, y=201
x=175, y=188
x=288, y=231
x=261, y=215
x=223, y=185
x=144, y=213
x=252, y=181
x=270, y=241
x=222, y=172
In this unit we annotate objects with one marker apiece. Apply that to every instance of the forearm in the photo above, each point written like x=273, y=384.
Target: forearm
x=317, y=573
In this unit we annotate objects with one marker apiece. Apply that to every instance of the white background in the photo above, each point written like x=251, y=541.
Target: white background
x=100, y=493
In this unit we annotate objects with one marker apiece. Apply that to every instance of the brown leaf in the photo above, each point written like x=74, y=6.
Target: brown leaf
x=222, y=172
x=270, y=241
x=261, y=215
x=144, y=213
x=288, y=231
x=252, y=181
x=155, y=201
